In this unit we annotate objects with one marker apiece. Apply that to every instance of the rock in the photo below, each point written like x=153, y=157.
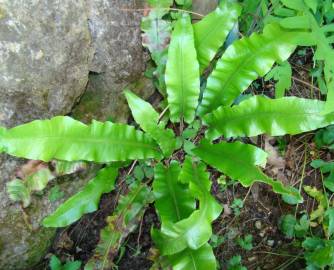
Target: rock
x=23, y=241
x=258, y=224
x=115, y=31
x=270, y=243
x=118, y=60
x=102, y=104
x=204, y=6
x=45, y=53
x=47, y=50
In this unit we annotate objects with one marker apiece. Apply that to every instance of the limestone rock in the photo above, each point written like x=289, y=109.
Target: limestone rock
x=204, y=6
x=118, y=59
x=45, y=52
x=23, y=241
x=48, y=50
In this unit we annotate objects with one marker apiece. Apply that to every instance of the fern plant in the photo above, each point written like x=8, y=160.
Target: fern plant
x=181, y=188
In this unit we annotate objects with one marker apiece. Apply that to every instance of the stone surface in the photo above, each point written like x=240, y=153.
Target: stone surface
x=48, y=50
x=23, y=242
x=101, y=103
x=204, y=6
x=45, y=52
x=118, y=59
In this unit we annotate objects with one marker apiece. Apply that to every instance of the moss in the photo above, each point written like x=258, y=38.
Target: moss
x=102, y=101
x=45, y=238
x=2, y=13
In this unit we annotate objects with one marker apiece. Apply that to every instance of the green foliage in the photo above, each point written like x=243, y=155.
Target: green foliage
x=129, y=212
x=183, y=200
x=157, y=32
x=211, y=32
x=160, y=3
x=246, y=242
x=243, y=167
x=326, y=168
x=282, y=74
x=148, y=119
x=65, y=167
x=235, y=263
x=319, y=252
x=143, y=170
x=55, y=194
x=156, y=37
x=186, y=4
x=275, y=117
x=195, y=230
x=290, y=199
x=172, y=198
x=85, y=201
x=55, y=264
x=329, y=216
x=216, y=240
x=325, y=137
x=67, y=139
x=20, y=190
x=240, y=65
x=188, y=259
x=252, y=14
x=237, y=205
x=182, y=72
x=305, y=16
x=36, y=178
x=287, y=225
x=293, y=227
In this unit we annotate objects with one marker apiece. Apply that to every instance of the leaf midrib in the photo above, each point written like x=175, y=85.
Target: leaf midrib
x=170, y=186
x=214, y=29
x=244, y=60
x=82, y=140
x=263, y=114
x=227, y=155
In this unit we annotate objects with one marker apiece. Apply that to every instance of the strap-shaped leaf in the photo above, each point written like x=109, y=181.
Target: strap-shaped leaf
x=243, y=62
x=85, y=201
x=67, y=139
x=2, y=131
x=160, y=3
x=194, y=173
x=124, y=220
x=202, y=258
x=240, y=161
x=182, y=72
x=145, y=115
x=210, y=33
x=275, y=117
x=172, y=199
x=194, y=231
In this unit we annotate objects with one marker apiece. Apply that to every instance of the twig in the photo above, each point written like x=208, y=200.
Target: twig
x=132, y=167
x=163, y=113
x=140, y=232
x=302, y=176
x=278, y=254
x=249, y=190
x=305, y=83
